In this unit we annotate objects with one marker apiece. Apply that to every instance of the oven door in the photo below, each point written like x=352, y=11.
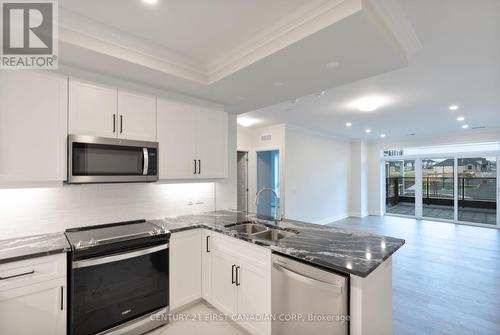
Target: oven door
x=110, y=290
x=97, y=160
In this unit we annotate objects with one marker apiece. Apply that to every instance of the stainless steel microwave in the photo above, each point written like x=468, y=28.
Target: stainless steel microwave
x=110, y=160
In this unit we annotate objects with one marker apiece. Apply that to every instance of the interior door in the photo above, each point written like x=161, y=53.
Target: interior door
x=223, y=282
x=211, y=143
x=137, y=116
x=176, y=137
x=92, y=109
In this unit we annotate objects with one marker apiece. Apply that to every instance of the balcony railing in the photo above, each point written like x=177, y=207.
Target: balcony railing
x=472, y=192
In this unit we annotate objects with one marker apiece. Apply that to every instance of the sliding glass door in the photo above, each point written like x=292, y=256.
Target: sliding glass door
x=477, y=190
x=400, y=187
x=438, y=188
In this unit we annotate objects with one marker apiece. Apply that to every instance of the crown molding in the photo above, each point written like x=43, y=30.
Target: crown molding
x=391, y=16
x=310, y=19
x=87, y=33
x=79, y=30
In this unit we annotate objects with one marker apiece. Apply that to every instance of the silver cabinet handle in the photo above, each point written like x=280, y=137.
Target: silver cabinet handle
x=308, y=280
x=118, y=257
x=18, y=275
x=238, y=276
x=146, y=161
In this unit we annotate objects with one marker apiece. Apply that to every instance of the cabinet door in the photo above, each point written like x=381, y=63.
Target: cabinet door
x=176, y=137
x=211, y=142
x=254, y=295
x=206, y=266
x=223, y=289
x=33, y=126
x=185, y=268
x=92, y=109
x=136, y=116
x=34, y=309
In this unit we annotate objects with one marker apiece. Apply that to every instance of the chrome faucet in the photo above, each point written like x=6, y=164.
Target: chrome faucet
x=277, y=212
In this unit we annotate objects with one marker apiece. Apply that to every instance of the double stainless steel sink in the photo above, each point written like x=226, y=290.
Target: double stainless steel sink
x=257, y=231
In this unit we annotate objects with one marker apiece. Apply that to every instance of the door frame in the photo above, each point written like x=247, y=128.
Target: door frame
x=247, y=183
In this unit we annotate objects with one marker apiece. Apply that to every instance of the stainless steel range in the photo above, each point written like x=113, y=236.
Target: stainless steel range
x=118, y=278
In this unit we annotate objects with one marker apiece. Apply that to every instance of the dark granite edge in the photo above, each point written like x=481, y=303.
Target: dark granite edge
x=303, y=260
x=34, y=255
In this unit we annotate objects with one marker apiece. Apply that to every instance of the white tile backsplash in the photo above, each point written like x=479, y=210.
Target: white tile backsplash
x=30, y=211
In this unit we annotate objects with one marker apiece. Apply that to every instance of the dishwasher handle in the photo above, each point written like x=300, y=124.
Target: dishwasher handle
x=308, y=280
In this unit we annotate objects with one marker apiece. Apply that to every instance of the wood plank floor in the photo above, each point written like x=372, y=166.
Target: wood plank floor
x=446, y=278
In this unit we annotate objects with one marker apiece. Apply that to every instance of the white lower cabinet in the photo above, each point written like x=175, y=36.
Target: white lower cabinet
x=33, y=296
x=185, y=268
x=241, y=281
x=206, y=266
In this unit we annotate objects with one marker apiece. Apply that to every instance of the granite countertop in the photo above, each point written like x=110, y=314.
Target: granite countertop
x=20, y=248
x=332, y=248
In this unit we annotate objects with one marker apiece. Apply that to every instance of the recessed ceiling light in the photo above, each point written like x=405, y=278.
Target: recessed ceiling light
x=278, y=83
x=465, y=126
x=460, y=118
x=150, y=2
x=294, y=101
x=332, y=65
x=368, y=131
x=370, y=103
x=453, y=107
x=348, y=124
x=246, y=121
x=240, y=98
x=382, y=135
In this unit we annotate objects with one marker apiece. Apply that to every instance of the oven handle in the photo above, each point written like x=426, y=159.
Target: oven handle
x=119, y=257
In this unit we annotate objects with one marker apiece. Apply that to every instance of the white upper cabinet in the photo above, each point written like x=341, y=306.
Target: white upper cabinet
x=176, y=135
x=33, y=126
x=136, y=116
x=92, y=109
x=98, y=110
x=211, y=150
x=193, y=141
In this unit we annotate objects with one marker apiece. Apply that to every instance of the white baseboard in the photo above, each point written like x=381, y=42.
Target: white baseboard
x=375, y=213
x=358, y=214
x=331, y=219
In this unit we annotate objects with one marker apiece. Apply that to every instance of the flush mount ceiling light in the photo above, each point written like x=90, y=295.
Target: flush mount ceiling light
x=246, y=121
x=150, y=2
x=368, y=131
x=370, y=103
x=453, y=107
x=465, y=126
x=348, y=124
x=460, y=118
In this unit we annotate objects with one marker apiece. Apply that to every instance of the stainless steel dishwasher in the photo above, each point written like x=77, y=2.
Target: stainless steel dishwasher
x=308, y=300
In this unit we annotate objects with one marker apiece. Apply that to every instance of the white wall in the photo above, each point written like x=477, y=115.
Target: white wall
x=30, y=211
x=316, y=176
x=376, y=201
x=358, y=200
